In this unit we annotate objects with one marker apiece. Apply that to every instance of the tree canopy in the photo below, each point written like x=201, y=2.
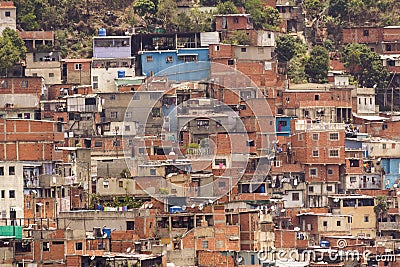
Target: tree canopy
x=365, y=65
x=12, y=49
x=317, y=65
x=287, y=46
x=227, y=8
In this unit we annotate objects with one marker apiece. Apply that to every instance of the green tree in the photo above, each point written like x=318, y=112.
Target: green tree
x=285, y=47
x=146, y=9
x=296, y=72
x=167, y=14
x=239, y=38
x=317, y=65
x=264, y=17
x=227, y=8
x=365, y=65
x=12, y=50
x=184, y=23
x=381, y=208
x=201, y=20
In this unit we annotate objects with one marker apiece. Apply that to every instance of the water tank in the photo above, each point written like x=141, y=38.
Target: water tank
x=175, y=209
x=324, y=244
x=121, y=74
x=102, y=32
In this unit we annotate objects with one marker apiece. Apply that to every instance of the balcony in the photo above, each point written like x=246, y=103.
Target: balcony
x=389, y=226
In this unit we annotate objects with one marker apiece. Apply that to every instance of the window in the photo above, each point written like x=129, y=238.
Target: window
x=4, y=84
x=349, y=220
x=28, y=205
x=353, y=179
x=51, y=75
x=187, y=58
x=98, y=144
x=311, y=189
x=153, y=172
x=78, y=66
x=46, y=246
x=315, y=136
x=388, y=47
x=333, y=153
x=221, y=184
x=354, y=163
x=11, y=170
x=231, y=62
x=325, y=223
x=333, y=136
x=330, y=171
x=105, y=184
x=141, y=150
x=128, y=114
x=78, y=245
x=366, y=218
x=113, y=114
x=282, y=123
x=315, y=153
x=11, y=193
x=383, y=146
x=169, y=59
x=204, y=244
x=220, y=162
x=366, y=32
x=24, y=84
x=120, y=184
x=27, y=115
x=95, y=82
x=316, y=97
x=295, y=196
x=313, y=172
x=130, y=225
x=235, y=20
x=243, y=49
x=127, y=128
x=1, y=171
x=3, y=193
x=250, y=143
x=112, y=97
x=216, y=48
x=149, y=58
x=8, y=14
x=329, y=188
x=300, y=137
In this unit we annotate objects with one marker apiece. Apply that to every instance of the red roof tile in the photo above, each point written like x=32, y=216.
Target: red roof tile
x=37, y=35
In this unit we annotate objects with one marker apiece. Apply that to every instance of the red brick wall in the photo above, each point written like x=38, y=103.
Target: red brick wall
x=356, y=35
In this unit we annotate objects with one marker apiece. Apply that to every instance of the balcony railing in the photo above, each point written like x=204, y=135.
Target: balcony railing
x=389, y=226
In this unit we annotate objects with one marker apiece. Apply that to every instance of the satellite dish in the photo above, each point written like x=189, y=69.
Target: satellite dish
x=105, y=235
x=296, y=229
x=273, y=208
x=150, y=205
x=283, y=210
x=128, y=250
x=183, y=207
x=201, y=206
x=336, y=200
x=92, y=258
x=193, y=205
x=210, y=201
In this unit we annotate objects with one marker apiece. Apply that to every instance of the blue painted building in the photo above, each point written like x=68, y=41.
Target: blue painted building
x=282, y=125
x=188, y=64
x=392, y=171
